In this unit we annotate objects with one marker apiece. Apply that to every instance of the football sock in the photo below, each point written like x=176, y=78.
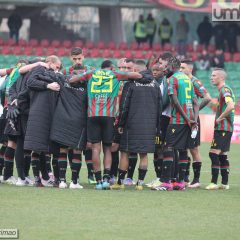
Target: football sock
x=182, y=165
x=35, y=165
x=8, y=162
x=76, y=166
x=224, y=166
x=55, y=167
x=106, y=174
x=70, y=157
x=167, y=165
x=141, y=174
x=62, y=166
x=48, y=163
x=115, y=162
x=121, y=176
x=27, y=158
x=157, y=162
x=132, y=164
x=215, y=166
x=196, y=170
x=98, y=176
x=2, y=151
x=89, y=162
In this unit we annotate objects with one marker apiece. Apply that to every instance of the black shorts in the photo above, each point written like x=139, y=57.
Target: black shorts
x=116, y=135
x=178, y=136
x=221, y=140
x=164, y=122
x=195, y=142
x=100, y=129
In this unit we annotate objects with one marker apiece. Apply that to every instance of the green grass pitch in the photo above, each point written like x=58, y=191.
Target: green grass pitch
x=59, y=214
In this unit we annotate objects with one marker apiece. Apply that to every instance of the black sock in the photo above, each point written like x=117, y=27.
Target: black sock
x=106, y=174
x=89, y=162
x=224, y=166
x=76, y=166
x=48, y=163
x=121, y=176
x=2, y=151
x=43, y=167
x=70, y=157
x=19, y=158
x=62, y=166
x=215, y=166
x=141, y=174
x=27, y=157
x=132, y=164
x=196, y=170
x=174, y=176
x=8, y=162
x=188, y=169
x=167, y=165
x=115, y=162
x=157, y=162
x=98, y=176
x=35, y=165
x=55, y=167
x=182, y=165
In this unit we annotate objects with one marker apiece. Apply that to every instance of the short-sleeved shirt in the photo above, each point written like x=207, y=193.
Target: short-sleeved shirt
x=199, y=90
x=103, y=89
x=181, y=86
x=225, y=95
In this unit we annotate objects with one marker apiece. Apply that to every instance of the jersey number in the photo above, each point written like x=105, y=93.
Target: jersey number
x=188, y=89
x=108, y=85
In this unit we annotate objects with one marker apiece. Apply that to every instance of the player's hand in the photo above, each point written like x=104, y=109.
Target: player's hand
x=120, y=130
x=14, y=102
x=54, y=86
x=191, y=123
x=219, y=120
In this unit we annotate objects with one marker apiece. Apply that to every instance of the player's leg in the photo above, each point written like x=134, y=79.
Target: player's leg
x=133, y=157
x=142, y=170
x=76, y=168
x=224, y=168
x=2, y=151
x=62, y=167
x=89, y=163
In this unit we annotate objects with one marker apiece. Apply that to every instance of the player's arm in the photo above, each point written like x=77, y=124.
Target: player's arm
x=29, y=67
x=125, y=76
x=230, y=107
x=195, y=109
x=206, y=100
x=5, y=71
x=81, y=77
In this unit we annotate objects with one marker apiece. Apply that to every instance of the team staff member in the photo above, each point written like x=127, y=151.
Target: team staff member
x=200, y=92
x=103, y=88
x=223, y=130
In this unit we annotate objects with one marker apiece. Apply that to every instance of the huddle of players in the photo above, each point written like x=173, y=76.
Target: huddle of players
x=179, y=119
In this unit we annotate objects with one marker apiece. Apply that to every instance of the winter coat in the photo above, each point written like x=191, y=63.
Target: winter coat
x=42, y=106
x=70, y=118
x=140, y=110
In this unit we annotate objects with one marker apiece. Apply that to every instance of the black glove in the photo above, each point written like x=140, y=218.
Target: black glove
x=13, y=112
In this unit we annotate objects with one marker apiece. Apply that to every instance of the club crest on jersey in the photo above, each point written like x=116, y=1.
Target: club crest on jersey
x=173, y=130
x=223, y=134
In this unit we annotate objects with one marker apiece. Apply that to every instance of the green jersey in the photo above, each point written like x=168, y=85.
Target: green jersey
x=103, y=88
x=181, y=86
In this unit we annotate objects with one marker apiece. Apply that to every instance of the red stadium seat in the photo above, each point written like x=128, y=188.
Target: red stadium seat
x=89, y=45
x=10, y=42
x=1, y=42
x=86, y=52
x=55, y=44
x=138, y=54
x=50, y=51
x=67, y=44
x=107, y=53
x=145, y=46
x=167, y=47
x=95, y=53
x=123, y=46
x=236, y=57
x=194, y=56
x=190, y=48
x=148, y=54
x=6, y=50
x=33, y=43
x=78, y=43
x=61, y=52
x=227, y=56
x=134, y=46
x=44, y=43
x=128, y=54
x=112, y=45
x=39, y=51
x=28, y=51
x=22, y=42
x=200, y=48
x=17, y=50
x=100, y=45
x=117, y=54
x=157, y=47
